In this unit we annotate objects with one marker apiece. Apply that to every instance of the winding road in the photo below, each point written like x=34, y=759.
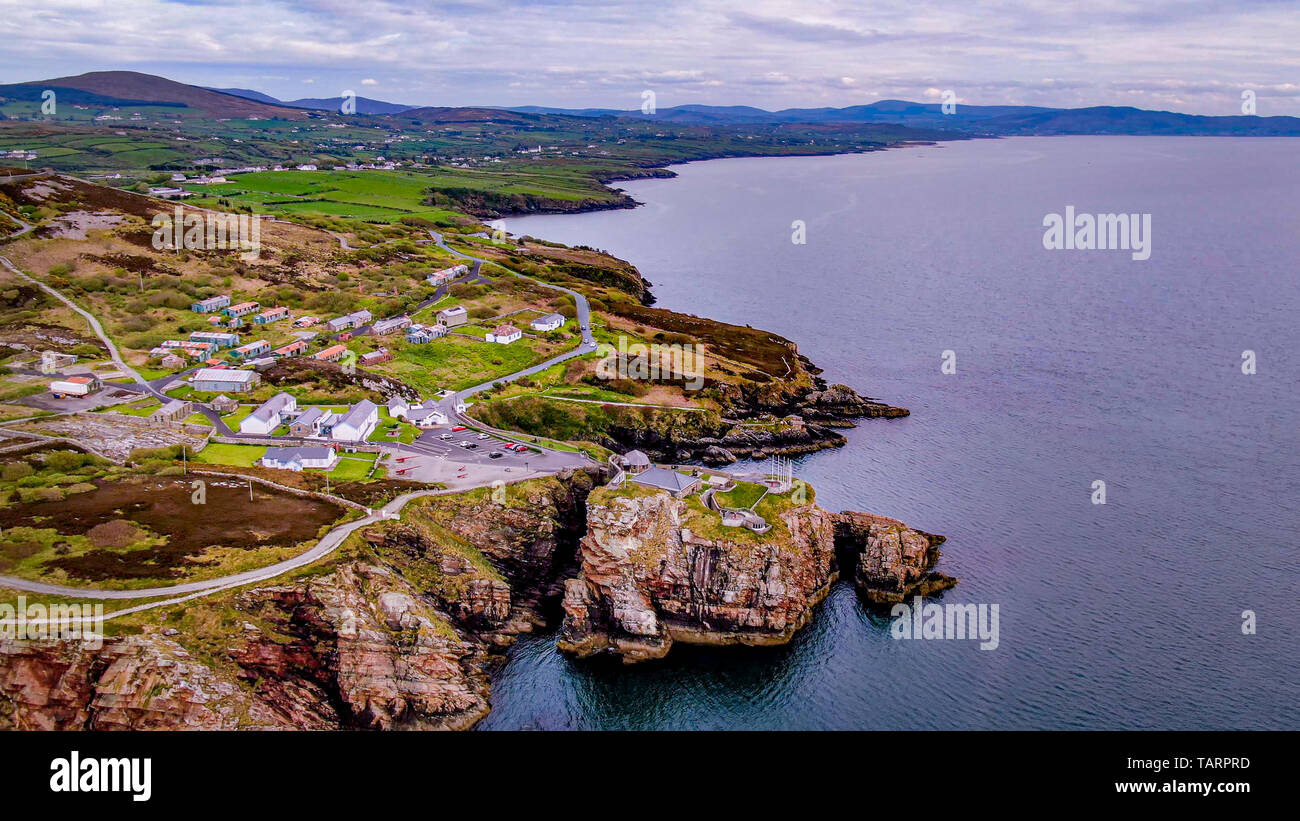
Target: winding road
x=335, y=537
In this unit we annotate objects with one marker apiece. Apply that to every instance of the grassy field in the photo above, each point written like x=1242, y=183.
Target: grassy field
x=743, y=495
x=353, y=466
x=383, y=196
x=217, y=453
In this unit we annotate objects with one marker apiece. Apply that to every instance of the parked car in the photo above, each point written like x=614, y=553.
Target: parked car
x=444, y=436
x=496, y=454
x=459, y=428
x=484, y=436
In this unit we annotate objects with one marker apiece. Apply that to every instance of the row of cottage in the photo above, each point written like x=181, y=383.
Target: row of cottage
x=353, y=425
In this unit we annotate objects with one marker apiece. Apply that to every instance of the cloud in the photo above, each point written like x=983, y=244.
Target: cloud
x=602, y=53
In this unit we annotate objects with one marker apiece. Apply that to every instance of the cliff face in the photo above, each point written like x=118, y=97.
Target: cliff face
x=404, y=634
x=648, y=581
x=357, y=648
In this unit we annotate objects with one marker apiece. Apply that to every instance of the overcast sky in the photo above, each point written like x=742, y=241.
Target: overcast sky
x=1189, y=55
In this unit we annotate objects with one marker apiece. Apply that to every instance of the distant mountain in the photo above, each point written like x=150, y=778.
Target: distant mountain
x=365, y=105
x=250, y=94
x=132, y=85
x=989, y=120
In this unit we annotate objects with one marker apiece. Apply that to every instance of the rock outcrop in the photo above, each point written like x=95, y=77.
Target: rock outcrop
x=648, y=580
x=891, y=560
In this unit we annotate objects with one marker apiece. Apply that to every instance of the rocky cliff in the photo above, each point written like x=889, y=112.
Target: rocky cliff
x=656, y=570
x=402, y=632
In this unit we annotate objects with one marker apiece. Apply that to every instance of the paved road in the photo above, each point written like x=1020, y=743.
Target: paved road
x=113, y=353
x=449, y=404
x=328, y=544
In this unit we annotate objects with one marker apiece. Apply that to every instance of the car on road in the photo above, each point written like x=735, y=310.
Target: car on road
x=459, y=428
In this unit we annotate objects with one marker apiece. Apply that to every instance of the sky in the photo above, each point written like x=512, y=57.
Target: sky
x=1194, y=56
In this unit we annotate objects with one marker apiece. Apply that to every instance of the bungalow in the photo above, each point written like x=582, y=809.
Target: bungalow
x=225, y=380
x=426, y=417
x=547, y=323
x=447, y=274
x=307, y=167
x=261, y=363
x=212, y=303
x=257, y=348
x=453, y=316
x=421, y=334
x=199, y=351
x=504, y=334
x=292, y=349
x=268, y=416
x=312, y=422
x=271, y=315
x=221, y=340
x=353, y=320
x=375, y=357
x=300, y=458
x=357, y=423
x=331, y=354
x=388, y=326
x=397, y=407
x=242, y=309
x=305, y=321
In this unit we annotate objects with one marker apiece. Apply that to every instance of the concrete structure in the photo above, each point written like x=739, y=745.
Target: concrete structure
x=447, y=274
x=426, y=417
x=257, y=348
x=312, y=422
x=635, y=461
x=504, y=334
x=172, y=413
x=388, y=326
x=300, y=458
x=292, y=349
x=212, y=303
x=422, y=334
x=242, y=309
x=353, y=320
x=305, y=321
x=331, y=354
x=75, y=386
x=375, y=357
x=271, y=315
x=269, y=415
x=678, y=484
x=218, y=338
x=550, y=322
x=223, y=404
x=453, y=316
x=357, y=423
x=172, y=362
x=225, y=380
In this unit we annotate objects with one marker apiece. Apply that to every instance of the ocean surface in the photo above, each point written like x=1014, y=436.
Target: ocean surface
x=1071, y=367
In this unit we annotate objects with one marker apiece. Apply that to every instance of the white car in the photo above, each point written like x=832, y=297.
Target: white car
x=444, y=436
x=484, y=436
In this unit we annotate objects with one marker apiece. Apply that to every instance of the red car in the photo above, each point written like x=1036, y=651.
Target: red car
x=509, y=446
x=459, y=428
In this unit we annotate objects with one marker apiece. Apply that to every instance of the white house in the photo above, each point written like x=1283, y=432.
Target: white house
x=504, y=334
x=300, y=458
x=269, y=415
x=547, y=323
x=397, y=407
x=357, y=423
x=426, y=417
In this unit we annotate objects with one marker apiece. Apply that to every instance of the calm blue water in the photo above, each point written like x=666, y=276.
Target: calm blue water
x=1071, y=367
